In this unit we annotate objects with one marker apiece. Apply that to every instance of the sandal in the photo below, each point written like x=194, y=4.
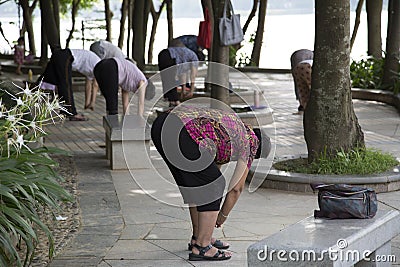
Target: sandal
x=78, y=117
x=89, y=107
x=218, y=256
x=217, y=243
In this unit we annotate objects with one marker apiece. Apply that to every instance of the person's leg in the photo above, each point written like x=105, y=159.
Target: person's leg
x=106, y=73
x=88, y=93
x=62, y=64
x=303, y=74
x=95, y=90
x=166, y=65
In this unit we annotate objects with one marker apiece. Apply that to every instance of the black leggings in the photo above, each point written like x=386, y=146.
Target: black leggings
x=203, y=187
x=167, y=67
x=106, y=73
x=59, y=72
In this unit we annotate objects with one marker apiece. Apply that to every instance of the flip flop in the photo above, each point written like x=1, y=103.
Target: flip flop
x=78, y=117
x=218, y=256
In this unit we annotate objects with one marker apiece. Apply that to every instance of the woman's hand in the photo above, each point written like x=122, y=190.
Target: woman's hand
x=220, y=220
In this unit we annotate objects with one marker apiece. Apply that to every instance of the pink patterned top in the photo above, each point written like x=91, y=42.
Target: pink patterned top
x=222, y=133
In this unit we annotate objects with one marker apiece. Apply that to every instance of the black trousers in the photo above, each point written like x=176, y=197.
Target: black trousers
x=106, y=73
x=167, y=68
x=203, y=186
x=59, y=72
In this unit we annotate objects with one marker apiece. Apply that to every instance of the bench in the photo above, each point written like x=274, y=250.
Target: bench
x=322, y=242
x=127, y=141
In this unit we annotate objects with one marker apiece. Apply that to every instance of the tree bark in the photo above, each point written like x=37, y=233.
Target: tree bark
x=44, y=51
x=128, y=38
x=356, y=22
x=155, y=16
x=391, y=67
x=140, y=17
x=108, y=16
x=50, y=23
x=251, y=16
x=220, y=54
x=330, y=123
x=27, y=15
x=169, y=21
x=124, y=13
x=374, y=10
x=74, y=11
x=255, y=55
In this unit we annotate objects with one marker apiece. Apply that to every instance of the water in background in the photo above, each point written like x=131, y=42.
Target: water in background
x=283, y=35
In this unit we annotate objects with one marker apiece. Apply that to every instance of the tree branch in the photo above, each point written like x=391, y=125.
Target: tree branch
x=251, y=16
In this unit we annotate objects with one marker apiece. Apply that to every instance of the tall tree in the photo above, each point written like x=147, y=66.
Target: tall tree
x=330, y=123
x=169, y=21
x=374, y=10
x=155, y=15
x=124, y=15
x=220, y=54
x=391, y=67
x=49, y=20
x=74, y=11
x=140, y=17
x=255, y=55
x=28, y=25
x=109, y=16
x=356, y=22
x=251, y=16
x=128, y=38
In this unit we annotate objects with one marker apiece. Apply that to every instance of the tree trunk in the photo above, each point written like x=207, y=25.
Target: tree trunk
x=27, y=14
x=330, y=123
x=251, y=16
x=391, y=67
x=374, y=10
x=74, y=11
x=208, y=4
x=50, y=24
x=220, y=54
x=44, y=51
x=140, y=18
x=155, y=16
x=56, y=14
x=109, y=16
x=255, y=55
x=356, y=22
x=128, y=38
x=169, y=21
x=124, y=12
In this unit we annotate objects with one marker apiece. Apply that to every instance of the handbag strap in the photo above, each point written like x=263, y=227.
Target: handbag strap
x=206, y=15
x=226, y=7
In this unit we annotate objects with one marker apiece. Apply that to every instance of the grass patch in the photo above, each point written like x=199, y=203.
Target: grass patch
x=355, y=162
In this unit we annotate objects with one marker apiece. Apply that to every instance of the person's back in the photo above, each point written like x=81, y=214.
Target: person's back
x=105, y=49
x=301, y=62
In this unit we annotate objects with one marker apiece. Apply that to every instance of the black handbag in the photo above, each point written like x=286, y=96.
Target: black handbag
x=342, y=201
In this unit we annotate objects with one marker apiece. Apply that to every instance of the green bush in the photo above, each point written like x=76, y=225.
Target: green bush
x=355, y=162
x=28, y=181
x=367, y=73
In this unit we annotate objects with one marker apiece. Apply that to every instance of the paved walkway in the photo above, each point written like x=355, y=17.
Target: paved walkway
x=124, y=226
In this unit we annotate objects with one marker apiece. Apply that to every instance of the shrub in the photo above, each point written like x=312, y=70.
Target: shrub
x=28, y=181
x=355, y=162
x=367, y=73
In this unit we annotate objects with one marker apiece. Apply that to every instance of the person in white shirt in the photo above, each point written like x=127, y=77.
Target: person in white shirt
x=84, y=63
x=58, y=73
x=105, y=49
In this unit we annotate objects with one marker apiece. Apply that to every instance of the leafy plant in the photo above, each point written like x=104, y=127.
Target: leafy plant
x=28, y=181
x=358, y=161
x=367, y=73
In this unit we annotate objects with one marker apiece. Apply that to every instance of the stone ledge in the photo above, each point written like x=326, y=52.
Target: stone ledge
x=300, y=182
x=377, y=95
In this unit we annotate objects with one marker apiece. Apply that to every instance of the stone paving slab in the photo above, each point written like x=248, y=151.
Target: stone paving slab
x=140, y=231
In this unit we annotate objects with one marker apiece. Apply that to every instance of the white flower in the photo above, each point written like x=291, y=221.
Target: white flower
x=20, y=140
x=19, y=101
x=27, y=91
x=11, y=118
